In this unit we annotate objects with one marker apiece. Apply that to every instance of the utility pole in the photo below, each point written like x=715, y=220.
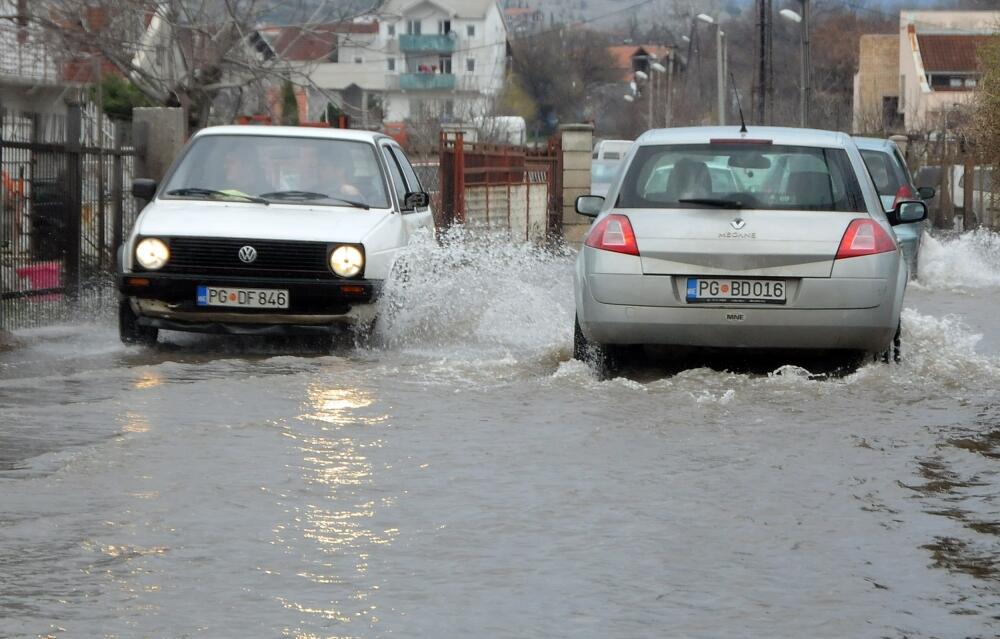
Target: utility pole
x=806, y=95
x=761, y=68
x=669, y=111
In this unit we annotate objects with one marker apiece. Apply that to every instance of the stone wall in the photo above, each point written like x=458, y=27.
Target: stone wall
x=577, y=147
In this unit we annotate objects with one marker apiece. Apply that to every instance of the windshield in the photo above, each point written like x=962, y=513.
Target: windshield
x=272, y=168
x=886, y=173
x=759, y=176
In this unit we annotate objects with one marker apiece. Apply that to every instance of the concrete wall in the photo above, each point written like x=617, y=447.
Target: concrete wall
x=165, y=132
x=577, y=146
x=519, y=208
x=877, y=78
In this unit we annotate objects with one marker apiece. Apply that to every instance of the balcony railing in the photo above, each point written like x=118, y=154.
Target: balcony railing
x=409, y=43
x=427, y=82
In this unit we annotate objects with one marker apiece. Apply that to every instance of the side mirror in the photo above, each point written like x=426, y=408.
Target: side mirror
x=907, y=213
x=926, y=192
x=589, y=205
x=416, y=200
x=144, y=188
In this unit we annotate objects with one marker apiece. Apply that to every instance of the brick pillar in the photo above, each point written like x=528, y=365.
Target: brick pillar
x=577, y=147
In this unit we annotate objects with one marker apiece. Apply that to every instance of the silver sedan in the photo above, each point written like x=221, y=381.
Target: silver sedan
x=789, y=249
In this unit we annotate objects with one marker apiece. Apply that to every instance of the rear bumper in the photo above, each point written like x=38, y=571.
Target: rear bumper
x=168, y=301
x=734, y=326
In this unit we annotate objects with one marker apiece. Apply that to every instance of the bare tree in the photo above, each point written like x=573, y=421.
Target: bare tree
x=185, y=53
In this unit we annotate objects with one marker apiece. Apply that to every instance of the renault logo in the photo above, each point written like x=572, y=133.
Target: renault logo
x=738, y=223
x=248, y=254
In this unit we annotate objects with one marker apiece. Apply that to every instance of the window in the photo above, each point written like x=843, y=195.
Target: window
x=470, y=65
x=444, y=27
x=444, y=63
x=885, y=172
x=412, y=182
x=392, y=63
x=470, y=30
x=269, y=165
x=775, y=177
x=413, y=27
x=392, y=30
x=397, y=176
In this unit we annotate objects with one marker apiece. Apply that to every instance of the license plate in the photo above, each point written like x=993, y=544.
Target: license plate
x=735, y=291
x=242, y=297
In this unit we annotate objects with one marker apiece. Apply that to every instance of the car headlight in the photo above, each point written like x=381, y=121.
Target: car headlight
x=347, y=261
x=152, y=254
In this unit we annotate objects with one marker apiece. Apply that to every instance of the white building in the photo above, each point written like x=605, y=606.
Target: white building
x=441, y=58
x=31, y=78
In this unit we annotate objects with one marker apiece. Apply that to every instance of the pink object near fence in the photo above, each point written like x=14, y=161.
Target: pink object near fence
x=42, y=275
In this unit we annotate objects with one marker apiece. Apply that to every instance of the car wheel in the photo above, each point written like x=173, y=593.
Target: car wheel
x=601, y=357
x=130, y=331
x=892, y=354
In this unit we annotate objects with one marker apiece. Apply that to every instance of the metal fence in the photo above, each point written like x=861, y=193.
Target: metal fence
x=65, y=211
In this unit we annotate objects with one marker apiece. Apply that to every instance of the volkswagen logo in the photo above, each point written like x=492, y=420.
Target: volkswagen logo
x=738, y=223
x=247, y=254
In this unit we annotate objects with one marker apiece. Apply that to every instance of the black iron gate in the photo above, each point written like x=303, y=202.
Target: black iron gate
x=65, y=211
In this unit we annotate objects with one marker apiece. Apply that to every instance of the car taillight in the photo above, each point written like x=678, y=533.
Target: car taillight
x=613, y=233
x=905, y=193
x=864, y=237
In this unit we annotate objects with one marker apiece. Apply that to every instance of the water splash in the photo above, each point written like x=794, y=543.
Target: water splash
x=474, y=293
x=967, y=261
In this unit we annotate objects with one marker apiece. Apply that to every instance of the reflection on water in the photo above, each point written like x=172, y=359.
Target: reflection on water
x=334, y=542
x=959, y=485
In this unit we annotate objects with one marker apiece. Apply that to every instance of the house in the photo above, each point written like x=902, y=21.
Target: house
x=938, y=63
x=340, y=61
x=31, y=76
x=522, y=21
x=442, y=59
x=627, y=59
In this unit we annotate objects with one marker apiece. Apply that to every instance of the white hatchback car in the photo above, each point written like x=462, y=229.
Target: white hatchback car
x=268, y=230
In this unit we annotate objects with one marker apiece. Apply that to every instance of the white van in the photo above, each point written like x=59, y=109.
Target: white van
x=611, y=149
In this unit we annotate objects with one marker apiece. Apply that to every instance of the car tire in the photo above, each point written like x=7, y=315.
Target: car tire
x=892, y=354
x=129, y=330
x=600, y=357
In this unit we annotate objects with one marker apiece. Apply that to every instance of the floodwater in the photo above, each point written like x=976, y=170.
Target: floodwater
x=464, y=478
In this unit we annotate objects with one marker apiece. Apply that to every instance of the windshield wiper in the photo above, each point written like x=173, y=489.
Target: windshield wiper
x=197, y=190
x=722, y=203
x=311, y=195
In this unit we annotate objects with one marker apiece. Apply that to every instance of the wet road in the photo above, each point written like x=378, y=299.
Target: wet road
x=465, y=479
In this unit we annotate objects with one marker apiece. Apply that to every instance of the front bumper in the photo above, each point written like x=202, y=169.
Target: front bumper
x=168, y=301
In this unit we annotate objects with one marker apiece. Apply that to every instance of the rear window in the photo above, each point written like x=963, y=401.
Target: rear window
x=775, y=177
x=886, y=173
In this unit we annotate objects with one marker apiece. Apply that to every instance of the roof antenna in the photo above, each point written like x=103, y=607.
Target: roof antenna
x=743, y=123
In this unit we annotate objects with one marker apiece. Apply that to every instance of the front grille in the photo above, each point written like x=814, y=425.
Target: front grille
x=275, y=258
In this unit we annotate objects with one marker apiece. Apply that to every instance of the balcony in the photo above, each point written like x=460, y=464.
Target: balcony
x=427, y=82
x=409, y=43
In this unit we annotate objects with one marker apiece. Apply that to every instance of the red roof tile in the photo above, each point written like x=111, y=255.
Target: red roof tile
x=942, y=53
x=622, y=55
x=314, y=43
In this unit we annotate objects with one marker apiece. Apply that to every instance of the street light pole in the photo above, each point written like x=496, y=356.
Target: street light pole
x=720, y=71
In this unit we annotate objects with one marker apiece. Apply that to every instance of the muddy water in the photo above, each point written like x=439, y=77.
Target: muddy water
x=464, y=478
